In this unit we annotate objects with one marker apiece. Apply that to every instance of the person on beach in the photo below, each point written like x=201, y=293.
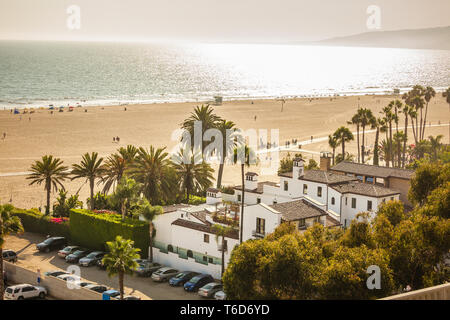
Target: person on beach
x=117, y=139
x=255, y=117
x=114, y=139
x=4, y=135
x=311, y=138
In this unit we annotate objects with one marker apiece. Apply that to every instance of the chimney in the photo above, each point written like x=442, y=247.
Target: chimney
x=251, y=180
x=325, y=161
x=298, y=169
x=213, y=196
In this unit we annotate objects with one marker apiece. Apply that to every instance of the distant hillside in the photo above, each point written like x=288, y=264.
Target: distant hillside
x=432, y=38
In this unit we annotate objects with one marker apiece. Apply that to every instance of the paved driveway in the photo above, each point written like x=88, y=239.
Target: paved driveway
x=145, y=288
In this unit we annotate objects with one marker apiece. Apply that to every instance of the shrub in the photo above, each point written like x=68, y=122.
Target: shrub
x=196, y=200
x=93, y=230
x=35, y=221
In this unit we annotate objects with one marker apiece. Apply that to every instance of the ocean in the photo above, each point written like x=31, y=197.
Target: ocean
x=34, y=73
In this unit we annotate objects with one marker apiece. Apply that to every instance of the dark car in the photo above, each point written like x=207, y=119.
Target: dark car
x=91, y=259
x=77, y=255
x=146, y=268
x=181, y=278
x=101, y=265
x=10, y=256
x=197, y=282
x=53, y=243
x=96, y=287
x=54, y=273
x=63, y=253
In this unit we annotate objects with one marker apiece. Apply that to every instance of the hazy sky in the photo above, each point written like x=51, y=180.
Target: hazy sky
x=213, y=20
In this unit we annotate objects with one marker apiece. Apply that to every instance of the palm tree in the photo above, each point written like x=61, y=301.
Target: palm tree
x=149, y=213
x=230, y=141
x=50, y=171
x=115, y=166
x=222, y=231
x=405, y=111
x=446, y=94
x=246, y=157
x=193, y=173
x=152, y=169
x=413, y=115
x=399, y=139
x=90, y=168
x=429, y=93
x=127, y=193
x=129, y=153
x=385, y=151
x=343, y=135
x=436, y=145
x=121, y=259
x=356, y=120
x=388, y=118
x=8, y=224
x=366, y=118
x=333, y=143
x=376, y=123
x=207, y=117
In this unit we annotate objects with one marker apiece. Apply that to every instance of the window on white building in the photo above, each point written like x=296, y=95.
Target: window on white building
x=260, y=225
x=258, y=200
x=319, y=191
x=239, y=198
x=301, y=223
x=305, y=189
x=286, y=186
x=353, y=203
x=346, y=200
x=332, y=200
x=369, y=205
x=206, y=238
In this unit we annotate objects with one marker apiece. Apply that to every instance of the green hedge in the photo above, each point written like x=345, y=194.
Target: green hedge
x=93, y=230
x=34, y=221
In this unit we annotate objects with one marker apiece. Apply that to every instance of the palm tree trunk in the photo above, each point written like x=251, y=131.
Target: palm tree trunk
x=334, y=151
x=343, y=149
x=91, y=185
x=375, y=148
x=242, y=202
x=424, y=121
x=357, y=141
x=48, y=187
x=1, y=269
x=188, y=194
x=390, y=143
x=223, y=255
x=386, y=152
x=121, y=275
x=151, y=242
x=362, y=144
x=420, y=131
x=404, y=142
x=219, y=175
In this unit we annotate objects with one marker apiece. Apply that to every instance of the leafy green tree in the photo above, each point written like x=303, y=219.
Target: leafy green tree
x=427, y=177
x=193, y=173
x=149, y=213
x=91, y=169
x=9, y=224
x=359, y=232
x=312, y=165
x=64, y=205
x=51, y=172
x=120, y=259
x=394, y=211
x=222, y=231
x=436, y=145
x=126, y=194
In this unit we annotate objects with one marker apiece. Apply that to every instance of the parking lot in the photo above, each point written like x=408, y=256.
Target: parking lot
x=30, y=258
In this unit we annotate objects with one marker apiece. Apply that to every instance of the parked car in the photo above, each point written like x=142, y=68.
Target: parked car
x=164, y=274
x=130, y=298
x=146, y=268
x=85, y=284
x=25, y=291
x=220, y=295
x=10, y=256
x=96, y=287
x=77, y=255
x=208, y=290
x=112, y=293
x=69, y=277
x=54, y=273
x=197, y=282
x=52, y=243
x=91, y=259
x=67, y=250
x=182, y=277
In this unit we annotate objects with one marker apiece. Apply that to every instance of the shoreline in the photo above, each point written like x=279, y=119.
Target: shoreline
x=98, y=103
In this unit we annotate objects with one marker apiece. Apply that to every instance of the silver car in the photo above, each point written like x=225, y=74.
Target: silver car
x=164, y=274
x=220, y=295
x=208, y=290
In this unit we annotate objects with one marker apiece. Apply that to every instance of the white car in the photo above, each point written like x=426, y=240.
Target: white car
x=70, y=278
x=25, y=291
x=220, y=295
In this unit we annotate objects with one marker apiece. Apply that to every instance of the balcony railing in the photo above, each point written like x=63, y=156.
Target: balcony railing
x=258, y=234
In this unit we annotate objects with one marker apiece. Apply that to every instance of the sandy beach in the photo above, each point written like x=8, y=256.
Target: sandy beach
x=70, y=134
